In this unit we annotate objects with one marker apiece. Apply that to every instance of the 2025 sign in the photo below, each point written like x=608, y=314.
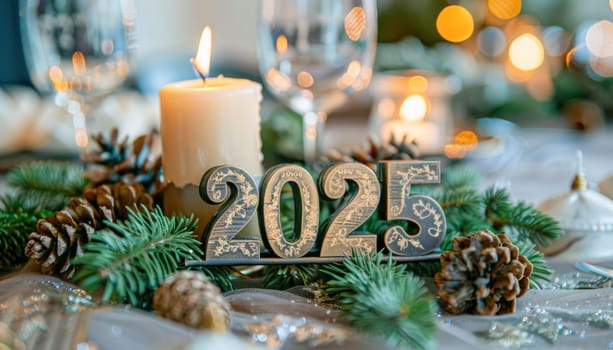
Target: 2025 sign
x=362, y=190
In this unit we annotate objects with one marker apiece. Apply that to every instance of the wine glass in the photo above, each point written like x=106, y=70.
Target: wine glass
x=313, y=54
x=77, y=49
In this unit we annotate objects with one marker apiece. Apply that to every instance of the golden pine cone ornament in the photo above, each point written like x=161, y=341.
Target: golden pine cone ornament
x=483, y=274
x=370, y=153
x=60, y=238
x=117, y=160
x=189, y=297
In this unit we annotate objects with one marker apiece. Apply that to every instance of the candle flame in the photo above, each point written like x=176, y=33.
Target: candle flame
x=414, y=108
x=202, y=61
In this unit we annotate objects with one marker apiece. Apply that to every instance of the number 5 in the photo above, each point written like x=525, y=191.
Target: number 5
x=398, y=204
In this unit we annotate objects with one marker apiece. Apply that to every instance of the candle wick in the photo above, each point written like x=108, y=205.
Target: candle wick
x=202, y=76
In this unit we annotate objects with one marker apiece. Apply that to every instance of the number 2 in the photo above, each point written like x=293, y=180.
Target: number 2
x=238, y=192
x=338, y=238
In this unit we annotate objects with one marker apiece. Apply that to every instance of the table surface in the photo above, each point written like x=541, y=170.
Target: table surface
x=535, y=164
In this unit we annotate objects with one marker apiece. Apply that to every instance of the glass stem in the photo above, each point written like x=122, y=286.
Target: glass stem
x=313, y=126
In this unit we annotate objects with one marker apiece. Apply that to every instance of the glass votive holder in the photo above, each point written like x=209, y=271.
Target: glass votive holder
x=414, y=104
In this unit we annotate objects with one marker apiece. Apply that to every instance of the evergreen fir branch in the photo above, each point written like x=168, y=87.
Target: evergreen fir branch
x=426, y=269
x=520, y=220
x=384, y=300
x=286, y=276
x=450, y=235
x=460, y=177
x=14, y=231
x=526, y=223
x=16, y=224
x=497, y=202
x=541, y=272
x=460, y=201
x=129, y=259
x=50, y=184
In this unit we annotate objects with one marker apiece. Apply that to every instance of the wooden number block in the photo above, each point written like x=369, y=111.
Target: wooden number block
x=306, y=202
x=238, y=192
x=399, y=204
x=359, y=186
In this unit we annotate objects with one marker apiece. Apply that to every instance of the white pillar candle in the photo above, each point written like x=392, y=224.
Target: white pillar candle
x=205, y=124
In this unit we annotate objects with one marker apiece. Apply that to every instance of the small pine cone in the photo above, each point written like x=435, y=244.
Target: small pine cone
x=189, y=297
x=371, y=153
x=60, y=238
x=483, y=274
x=119, y=161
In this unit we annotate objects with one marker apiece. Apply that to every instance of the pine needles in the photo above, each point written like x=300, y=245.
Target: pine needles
x=39, y=188
x=129, y=259
x=16, y=224
x=14, y=231
x=541, y=272
x=287, y=276
x=49, y=184
x=468, y=210
x=384, y=300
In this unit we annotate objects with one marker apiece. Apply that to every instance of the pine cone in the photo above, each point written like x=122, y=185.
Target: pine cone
x=116, y=160
x=188, y=297
x=483, y=274
x=60, y=238
x=371, y=153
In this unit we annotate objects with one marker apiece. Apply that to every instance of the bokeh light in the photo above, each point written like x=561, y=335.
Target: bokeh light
x=556, y=40
x=455, y=23
x=599, y=38
x=81, y=138
x=304, y=79
x=414, y=108
x=467, y=138
x=355, y=22
x=491, y=41
x=78, y=63
x=278, y=81
x=526, y=52
x=281, y=44
x=504, y=9
x=602, y=66
x=463, y=142
x=418, y=84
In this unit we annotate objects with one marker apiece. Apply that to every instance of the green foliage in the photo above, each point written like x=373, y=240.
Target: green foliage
x=130, y=259
x=541, y=272
x=282, y=135
x=14, y=231
x=383, y=300
x=468, y=211
x=49, y=184
x=16, y=224
x=460, y=201
x=523, y=222
x=220, y=275
x=460, y=177
x=287, y=276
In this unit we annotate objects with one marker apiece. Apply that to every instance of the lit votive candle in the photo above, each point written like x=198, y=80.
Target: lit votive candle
x=205, y=123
